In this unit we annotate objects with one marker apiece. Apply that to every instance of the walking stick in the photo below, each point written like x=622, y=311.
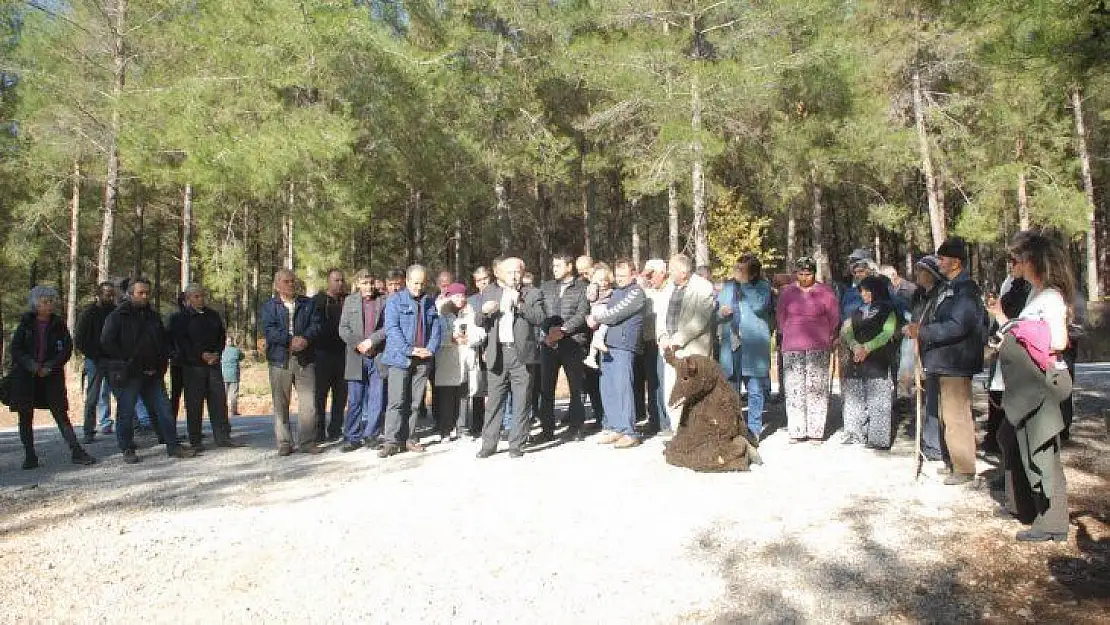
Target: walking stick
x=918, y=391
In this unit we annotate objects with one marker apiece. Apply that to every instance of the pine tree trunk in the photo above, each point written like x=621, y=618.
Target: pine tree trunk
x=543, y=209
x=186, y=235
x=1089, y=191
x=111, y=182
x=288, y=226
x=1022, y=191
x=459, y=250
x=157, y=264
x=245, y=288
x=932, y=190
x=697, y=179
x=672, y=219
x=140, y=230
x=505, y=232
x=636, y=244
x=256, y=271
x=819, y=253
x=587, y=210
x=791, y=236
x=878, y=248
x=417, y=199
x=74, y=240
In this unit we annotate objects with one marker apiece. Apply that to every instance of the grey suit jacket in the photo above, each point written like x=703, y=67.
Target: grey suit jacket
x=351, y=330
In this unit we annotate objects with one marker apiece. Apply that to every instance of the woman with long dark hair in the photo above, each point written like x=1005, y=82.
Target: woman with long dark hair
x=1036, y=380
x=41, y=347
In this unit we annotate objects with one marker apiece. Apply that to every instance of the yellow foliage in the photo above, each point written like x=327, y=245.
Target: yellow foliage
x=734, y=231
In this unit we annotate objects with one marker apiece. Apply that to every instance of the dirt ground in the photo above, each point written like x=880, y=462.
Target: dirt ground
x=824, y=534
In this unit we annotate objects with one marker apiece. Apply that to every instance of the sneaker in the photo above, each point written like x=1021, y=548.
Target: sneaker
x=130, y=457
x=608, y=438
x=627, y=442
x=30, y=462
x=181, y=453
x=80, y=456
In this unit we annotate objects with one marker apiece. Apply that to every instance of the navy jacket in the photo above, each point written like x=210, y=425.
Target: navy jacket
x=400, y=328
x=952, y=337
x=625, y=318
x=275, y=329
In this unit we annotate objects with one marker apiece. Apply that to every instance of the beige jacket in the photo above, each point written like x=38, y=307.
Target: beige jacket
x=693, y=332
x=458, y=364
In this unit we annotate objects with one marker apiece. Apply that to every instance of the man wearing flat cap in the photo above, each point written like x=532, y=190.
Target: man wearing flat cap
x=951, y=338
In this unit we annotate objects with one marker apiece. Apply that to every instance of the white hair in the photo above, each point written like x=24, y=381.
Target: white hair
x=655, y=264
x=41, y=292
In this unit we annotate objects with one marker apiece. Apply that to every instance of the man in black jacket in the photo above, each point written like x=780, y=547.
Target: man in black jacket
x=510, y=315
x=136, y=354
x=951, y=341
x=331, y=358
x=564, y=343
x=199, y=336
x=87, y=339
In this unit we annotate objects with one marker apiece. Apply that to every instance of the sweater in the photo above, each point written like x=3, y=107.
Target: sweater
x=808, y=320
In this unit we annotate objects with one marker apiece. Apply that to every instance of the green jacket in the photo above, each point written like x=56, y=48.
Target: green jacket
x=1032, y=405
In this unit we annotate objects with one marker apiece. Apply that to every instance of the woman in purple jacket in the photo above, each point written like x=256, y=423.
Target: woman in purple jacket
x=809, y=318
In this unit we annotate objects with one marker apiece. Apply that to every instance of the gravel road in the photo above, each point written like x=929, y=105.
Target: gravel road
x=576, y=533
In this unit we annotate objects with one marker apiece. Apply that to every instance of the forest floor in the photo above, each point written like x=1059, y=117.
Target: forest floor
x=570, y=533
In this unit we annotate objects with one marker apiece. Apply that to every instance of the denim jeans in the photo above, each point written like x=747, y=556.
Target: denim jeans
x=365, y=405
x=97, y=403
x=617, y=378
x=758, y=389
x=152, y=391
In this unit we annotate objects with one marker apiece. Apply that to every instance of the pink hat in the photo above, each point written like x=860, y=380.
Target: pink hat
x=455, y=288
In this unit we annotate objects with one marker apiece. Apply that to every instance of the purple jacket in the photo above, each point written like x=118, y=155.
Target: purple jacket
x=808, y=321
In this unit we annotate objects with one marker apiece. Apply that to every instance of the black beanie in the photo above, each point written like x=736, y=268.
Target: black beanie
x=954, y=247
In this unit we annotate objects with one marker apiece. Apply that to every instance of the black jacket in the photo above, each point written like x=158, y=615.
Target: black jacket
x=528, y=316
x=331, y=310
x=568, y=311
x=90, y=324
x=953, y=336
x=195, y=332
x=25, y=393
x=136, y=337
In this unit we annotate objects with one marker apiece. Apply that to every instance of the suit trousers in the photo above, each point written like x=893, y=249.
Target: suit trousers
x=515, y=376
x=405, y=388
x=329, y=379
x=567, y=354
x=205, y=384
x=282, y=382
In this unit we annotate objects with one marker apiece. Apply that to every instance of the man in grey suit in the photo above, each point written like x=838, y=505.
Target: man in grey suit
x=361, y=326
x=511, y=314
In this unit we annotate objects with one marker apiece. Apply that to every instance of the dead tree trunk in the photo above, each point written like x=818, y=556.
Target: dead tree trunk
x=74, y=240
x=937, y=224
x=1089, y=191
x=186, y=235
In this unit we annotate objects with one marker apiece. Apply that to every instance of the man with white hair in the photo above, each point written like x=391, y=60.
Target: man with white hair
x=687, y=325
x=510, y=312
x=291, y=323
x=658, y=289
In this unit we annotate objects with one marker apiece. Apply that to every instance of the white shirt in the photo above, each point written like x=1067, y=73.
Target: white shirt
x=508, y=315
x=1048, y=305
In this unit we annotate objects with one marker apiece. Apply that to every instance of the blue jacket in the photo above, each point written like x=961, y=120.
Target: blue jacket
x=275, y=329
x=751, y=306
x=625, y=318
x=400, y=328
x=952, y=337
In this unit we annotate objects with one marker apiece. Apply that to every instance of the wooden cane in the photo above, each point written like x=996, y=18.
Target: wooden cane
x=918, y=455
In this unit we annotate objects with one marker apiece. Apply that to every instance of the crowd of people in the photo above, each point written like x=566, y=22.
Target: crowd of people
x=364, y=360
